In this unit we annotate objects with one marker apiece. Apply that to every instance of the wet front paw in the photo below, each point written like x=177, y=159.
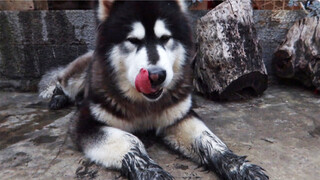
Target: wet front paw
x=156, y=173
x=230, y=166
x=252, y=172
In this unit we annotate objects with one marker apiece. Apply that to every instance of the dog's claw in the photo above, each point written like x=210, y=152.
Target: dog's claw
x=254, y=172
x=154, y=173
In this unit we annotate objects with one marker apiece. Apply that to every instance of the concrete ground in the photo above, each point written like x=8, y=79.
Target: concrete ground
x=279, y=131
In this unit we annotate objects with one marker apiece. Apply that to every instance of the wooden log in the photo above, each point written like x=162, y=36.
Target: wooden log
x=229, y=56
x=298, y=57
x=13, y=5
x=40, y=4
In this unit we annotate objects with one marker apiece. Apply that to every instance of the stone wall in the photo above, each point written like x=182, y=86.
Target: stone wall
x=33, y=42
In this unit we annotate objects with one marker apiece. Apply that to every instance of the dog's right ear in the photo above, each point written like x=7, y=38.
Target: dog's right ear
x=104, y=7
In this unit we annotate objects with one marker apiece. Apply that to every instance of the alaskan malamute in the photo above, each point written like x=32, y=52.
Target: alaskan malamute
x=139, y=78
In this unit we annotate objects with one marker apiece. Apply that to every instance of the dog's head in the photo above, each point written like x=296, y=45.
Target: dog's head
x=145, y=43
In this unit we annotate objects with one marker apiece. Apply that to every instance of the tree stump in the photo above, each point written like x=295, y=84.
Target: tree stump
x=298, y=57
x=229, y=56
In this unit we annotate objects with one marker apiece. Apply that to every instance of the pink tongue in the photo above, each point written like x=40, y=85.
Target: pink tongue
x=143, y=83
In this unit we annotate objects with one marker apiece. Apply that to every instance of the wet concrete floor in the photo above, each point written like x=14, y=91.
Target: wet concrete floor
x=279, y=131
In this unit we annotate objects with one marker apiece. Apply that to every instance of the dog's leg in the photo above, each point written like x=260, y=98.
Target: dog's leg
x=191, y=137
x=117, y=149
x=121, y=150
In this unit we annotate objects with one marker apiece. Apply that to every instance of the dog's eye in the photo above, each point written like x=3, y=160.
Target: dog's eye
x=165, y=38
x=134, y=40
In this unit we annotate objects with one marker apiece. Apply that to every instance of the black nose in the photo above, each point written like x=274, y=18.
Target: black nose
x=157, y=76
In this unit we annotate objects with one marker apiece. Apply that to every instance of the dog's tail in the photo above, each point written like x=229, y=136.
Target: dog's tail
x=70, y=79
x=49, y=82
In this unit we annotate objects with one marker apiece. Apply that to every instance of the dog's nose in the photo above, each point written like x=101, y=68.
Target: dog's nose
x=157, y=75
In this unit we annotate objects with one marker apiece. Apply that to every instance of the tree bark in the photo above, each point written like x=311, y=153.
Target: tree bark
x=229, y=56
x=298, y=57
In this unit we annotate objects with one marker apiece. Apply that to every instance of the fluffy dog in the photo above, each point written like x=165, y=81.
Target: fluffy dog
x=139, y=78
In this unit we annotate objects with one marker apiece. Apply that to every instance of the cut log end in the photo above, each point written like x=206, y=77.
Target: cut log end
x=298, y=57
x=282, y=64
x=249, y=85
x=229, y=64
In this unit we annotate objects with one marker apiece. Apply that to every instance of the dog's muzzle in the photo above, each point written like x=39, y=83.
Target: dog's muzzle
x=149, y=82
x=157, y=76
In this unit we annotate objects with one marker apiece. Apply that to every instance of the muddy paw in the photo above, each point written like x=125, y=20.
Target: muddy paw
x=154, y=173
x=253, y=172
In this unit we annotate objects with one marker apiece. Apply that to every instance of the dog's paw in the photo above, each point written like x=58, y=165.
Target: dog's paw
x=230, y=166
x=155, y=173
x=252, y=172
x=58, y=102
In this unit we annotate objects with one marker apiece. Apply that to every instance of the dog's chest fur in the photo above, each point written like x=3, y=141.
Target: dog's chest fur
x=147, y=120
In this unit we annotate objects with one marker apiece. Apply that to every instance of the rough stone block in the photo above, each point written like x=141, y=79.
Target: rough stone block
x=33, y=42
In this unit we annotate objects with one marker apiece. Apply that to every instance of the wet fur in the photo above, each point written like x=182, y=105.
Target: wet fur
x=111, y=110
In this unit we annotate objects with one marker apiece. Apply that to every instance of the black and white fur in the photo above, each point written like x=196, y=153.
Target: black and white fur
x=134, y=35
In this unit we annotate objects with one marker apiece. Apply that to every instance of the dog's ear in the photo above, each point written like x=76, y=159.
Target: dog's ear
x=183, y=5
x=104, y=7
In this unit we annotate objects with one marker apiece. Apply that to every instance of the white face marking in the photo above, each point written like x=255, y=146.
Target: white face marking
x=166, y=61
x=134, y=62
x=127, y=67
x=128, y=60
x=179, y=55
x=160, y=29
x=138, y=31
x=171, y=61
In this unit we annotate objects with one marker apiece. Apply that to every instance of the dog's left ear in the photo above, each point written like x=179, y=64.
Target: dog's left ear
x=104, y=7
x=183, y=5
